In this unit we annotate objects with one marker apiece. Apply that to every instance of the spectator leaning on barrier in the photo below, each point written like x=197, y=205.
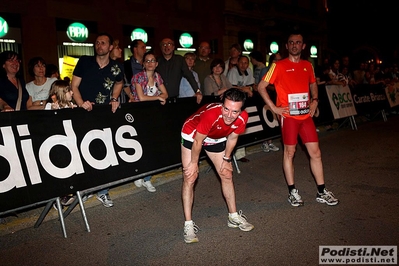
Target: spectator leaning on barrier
x=216, y=128
x=98, y=80
x=295, y=106
x=147, y=85
x=39, y=87
x=13, y=93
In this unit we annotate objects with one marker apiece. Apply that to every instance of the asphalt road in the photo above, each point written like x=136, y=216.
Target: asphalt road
x=361, y=168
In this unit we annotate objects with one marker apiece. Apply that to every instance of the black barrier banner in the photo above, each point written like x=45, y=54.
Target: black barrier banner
x=370, y=98
x=50, y=153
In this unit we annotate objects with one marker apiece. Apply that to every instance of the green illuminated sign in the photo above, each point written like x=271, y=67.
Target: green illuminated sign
x=139, y=34
x=77, y=32
x=186, y=41
x=3, y=27
x=248, y=45
x=313, y=50
x=274, y=47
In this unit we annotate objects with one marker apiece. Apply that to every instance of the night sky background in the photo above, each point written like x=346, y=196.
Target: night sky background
x=353, y=24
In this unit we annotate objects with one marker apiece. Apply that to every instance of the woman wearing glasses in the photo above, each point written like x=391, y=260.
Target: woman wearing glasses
x=13, y=94
x=147, y=85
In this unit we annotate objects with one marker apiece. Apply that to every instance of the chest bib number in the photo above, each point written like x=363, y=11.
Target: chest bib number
x=298, y=103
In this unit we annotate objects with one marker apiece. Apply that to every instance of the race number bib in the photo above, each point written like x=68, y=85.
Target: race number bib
x=299, y=103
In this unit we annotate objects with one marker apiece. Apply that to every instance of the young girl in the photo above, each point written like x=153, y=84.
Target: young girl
x=60, y=96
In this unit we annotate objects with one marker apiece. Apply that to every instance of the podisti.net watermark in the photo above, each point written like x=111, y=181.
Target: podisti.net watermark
x=358, y=255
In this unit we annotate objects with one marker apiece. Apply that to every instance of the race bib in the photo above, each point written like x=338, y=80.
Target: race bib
x=298, y=103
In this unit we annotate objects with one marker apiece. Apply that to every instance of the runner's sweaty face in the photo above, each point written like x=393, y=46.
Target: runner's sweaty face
x=295, y=45
x=230, y=111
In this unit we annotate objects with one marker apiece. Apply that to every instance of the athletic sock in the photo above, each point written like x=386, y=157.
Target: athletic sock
x=233, y=214
x=321, y=188
x=291, y=187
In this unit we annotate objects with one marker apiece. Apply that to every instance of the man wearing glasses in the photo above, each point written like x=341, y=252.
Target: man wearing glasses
x=297, y=99
x=172, y=68
x=215, y=127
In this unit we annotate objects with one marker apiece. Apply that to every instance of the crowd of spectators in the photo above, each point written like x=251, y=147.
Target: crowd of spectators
x=341, y=71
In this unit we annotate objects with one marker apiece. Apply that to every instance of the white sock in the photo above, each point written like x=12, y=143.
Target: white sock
x=188, y=222
x=234, y=214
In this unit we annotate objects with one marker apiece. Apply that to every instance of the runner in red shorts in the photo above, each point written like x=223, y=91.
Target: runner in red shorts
x=214, y=127
x=296, y=105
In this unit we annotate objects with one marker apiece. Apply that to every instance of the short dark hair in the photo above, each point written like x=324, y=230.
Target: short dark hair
x=235, y=95
x=217, y=61
x=134, y=44
x=236, y=46
x=7, y=55
x=190, y=54
x=296, y=32
x=242, y=56
x=111, y=40
x=34, y=61
x=148, y=53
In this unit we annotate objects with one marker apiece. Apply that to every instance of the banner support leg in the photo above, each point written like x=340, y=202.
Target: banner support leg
x=82, y=209
x=236, y=164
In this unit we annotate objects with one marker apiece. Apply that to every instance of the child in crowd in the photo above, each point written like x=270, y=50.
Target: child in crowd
x=60, y=96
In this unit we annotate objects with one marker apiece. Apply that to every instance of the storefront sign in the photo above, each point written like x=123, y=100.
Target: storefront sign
x=186, y=41
x=248, y=45
x=3, y=27
x=274, y=47
x=313, y=51
x=139, y=34
x=77, y=32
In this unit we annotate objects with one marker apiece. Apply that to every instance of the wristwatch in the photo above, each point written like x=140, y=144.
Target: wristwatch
x=227, y=159
x=198, y=91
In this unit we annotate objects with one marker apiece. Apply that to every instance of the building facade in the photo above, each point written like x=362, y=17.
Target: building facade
x=48, y=28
